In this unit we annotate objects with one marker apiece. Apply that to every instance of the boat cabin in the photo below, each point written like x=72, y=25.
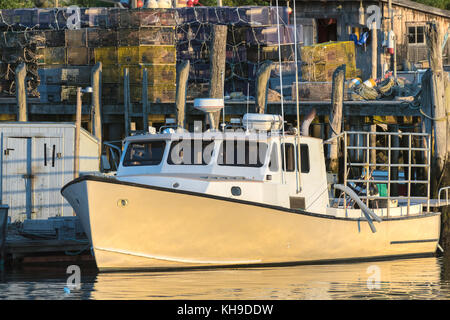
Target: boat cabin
x=246, y=165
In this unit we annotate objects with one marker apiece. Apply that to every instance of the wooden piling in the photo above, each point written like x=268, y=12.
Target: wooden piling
x=440, y=120
x=3, y=230
x=217, y=66
x=76, y=157
x=337, y=103
x=262, y=85
x=145, y=100
x=374, y=50
x=126, y=101
x=439, y=96
x=180, y=100
x=21, y=92
x=96, y=80
x=373, y=143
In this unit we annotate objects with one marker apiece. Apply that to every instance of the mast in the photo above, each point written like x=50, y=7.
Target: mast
x=299, y=162
x=282, y=98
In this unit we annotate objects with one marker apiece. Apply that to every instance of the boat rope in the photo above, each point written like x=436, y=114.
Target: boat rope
x=444, y=118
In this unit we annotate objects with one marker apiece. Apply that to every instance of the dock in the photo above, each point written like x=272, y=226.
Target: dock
x=20, y=250
x=117, y=52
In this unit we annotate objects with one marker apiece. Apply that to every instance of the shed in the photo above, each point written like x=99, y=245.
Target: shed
x=36, y=160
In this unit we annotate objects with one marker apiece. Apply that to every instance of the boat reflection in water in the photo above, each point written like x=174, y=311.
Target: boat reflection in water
x=400, y=279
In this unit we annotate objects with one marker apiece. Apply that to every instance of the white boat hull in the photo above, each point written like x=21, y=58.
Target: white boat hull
x=135, y=226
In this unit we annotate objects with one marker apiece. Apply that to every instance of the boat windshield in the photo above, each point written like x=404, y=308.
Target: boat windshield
x=191, y=152
x=242, y=153
x=148, y=153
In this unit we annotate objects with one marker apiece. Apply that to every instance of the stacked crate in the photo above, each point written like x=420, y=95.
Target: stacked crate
x=60, y=58
x=250, y=41
x=320, y=60
x=144, y=40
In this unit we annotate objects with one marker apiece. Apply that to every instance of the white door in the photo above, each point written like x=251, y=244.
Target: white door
x=48, y=179
x=17, y=177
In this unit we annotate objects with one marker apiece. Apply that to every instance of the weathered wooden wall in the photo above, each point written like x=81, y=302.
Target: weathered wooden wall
x=347, y=15
x=403, y=17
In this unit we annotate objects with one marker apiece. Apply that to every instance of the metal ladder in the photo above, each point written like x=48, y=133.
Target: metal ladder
x=356, y=135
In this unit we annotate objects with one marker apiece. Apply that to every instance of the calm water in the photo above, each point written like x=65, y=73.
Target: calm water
x=420, y=278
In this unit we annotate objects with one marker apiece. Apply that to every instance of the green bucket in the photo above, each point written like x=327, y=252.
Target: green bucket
x=382, y=189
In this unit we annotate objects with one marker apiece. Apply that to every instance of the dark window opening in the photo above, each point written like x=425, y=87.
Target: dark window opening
x=191, y=152
x=326, y=30
x=242, y=153
x=416, y=35
x=288, y=149
x=144, y=153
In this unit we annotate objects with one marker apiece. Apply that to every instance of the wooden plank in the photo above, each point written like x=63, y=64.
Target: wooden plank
x=262, y=86
x=21, y=92
x=182, y=83
x=145, y=100
x=217, y=65
x=337, y=101
x=438, y=95
x=357, y=108
x=96, y=81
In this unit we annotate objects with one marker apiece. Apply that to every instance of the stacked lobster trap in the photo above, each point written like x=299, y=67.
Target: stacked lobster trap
x=252, y=38
x=61, y=45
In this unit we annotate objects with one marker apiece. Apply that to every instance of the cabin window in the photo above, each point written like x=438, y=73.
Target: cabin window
x=242, y=153
x=191, y=152
x=291, y=155
x=304, y=156
x=273, y=164
x=416, y=34
x=148, y=153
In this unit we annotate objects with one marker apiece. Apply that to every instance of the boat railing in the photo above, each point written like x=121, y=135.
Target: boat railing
x=447, y=199
x=357, y=149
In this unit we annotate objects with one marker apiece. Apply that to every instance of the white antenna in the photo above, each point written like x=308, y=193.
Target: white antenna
x=281, y=91
x=223, y=97
x=299, y=160
x=248, y=98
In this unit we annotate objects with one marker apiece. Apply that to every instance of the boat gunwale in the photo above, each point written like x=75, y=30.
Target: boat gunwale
x=246, y=202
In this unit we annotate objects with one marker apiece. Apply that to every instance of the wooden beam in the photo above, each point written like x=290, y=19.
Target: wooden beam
x=434, y=40
x=374, y=50
x=337, y=103
x=262, y=85
x=351, y=108
x=145, y=100
x=3, y=230
x=217, y=65
x=126, y=102
x=96, y=82
x=21, y=92
x=180, y=100
x=76, y=157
